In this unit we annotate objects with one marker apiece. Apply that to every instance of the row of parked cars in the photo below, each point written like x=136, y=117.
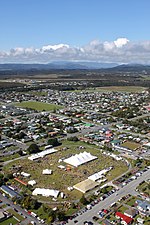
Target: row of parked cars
x=135, y=176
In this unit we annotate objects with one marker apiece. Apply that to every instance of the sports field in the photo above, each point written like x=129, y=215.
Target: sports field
x=113, y=89
x=121, y=89
x=39, y=106
x=131, y=145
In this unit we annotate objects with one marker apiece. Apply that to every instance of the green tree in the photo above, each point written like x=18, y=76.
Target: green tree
x=104, y=190
x=73, y=139
x=61, y=215
x=33, y=148
x=50, y=219
x=9, y=176
x=53, y=141
x=83, y=200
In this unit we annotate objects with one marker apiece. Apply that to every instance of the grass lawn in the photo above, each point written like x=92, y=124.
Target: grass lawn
x=39, y=106
x=121, y=89
x=19, y=217
x=61, y=179
x=71, y=211
x=144, y=188
x=122, y=209
x=131, y=145
x=113, y=88
x=112, y=217
x=38, y=93
x=131, y=201
x=9, y=221
x=147, y=221
x=6, y=158
x=40, y=212
x=3, y=206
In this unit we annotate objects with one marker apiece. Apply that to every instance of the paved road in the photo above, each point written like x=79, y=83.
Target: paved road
x=128, y=189
x=10, y=204
x=12, y=160
x=139, y=117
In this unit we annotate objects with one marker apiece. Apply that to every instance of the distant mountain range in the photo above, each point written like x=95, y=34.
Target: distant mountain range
x=66, y=65
x=57, y=65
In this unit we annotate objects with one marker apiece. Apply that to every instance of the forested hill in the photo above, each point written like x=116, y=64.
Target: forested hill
x=72, y=68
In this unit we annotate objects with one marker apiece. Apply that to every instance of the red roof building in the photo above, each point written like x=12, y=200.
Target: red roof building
x=125, y=219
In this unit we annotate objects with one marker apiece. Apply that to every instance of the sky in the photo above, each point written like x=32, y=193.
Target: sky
x=77, y=30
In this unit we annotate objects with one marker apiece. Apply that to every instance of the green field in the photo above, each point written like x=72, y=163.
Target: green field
x=38, y=93
x=10, y=157
x=113, y=89
x=9, y=221
x=19, y=217
x=39, y=106
x=121, y=89
x=144, y=187
x=131, y=145
x=131, y=201
x=61, y=179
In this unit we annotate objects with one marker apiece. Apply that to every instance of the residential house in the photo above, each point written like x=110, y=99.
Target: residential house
x=126, y=220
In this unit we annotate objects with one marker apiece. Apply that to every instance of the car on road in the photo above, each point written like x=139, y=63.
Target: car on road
x=95, y=218
x=15, y=209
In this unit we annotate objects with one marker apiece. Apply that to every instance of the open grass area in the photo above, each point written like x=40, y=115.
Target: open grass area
x=122, y=208
x=19, y=217
x=41, y=213
x=144, y=77
x=61, y=179
x=121, y=89
x=38, y=93
x=10, y=157
x=131, y=145
x=39, y=106
x=112, y=89
x=144, y=187
x=3, y=206
x=131, y=201
x=9, y=221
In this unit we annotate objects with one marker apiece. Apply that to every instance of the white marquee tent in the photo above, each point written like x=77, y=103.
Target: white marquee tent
x=46, y=192
x=42, y=154
x=99, y=175
x=80, y=159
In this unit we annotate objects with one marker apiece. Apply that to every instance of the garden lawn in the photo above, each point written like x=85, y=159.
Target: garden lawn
x=122, y=209
x=39, y=106
x=131, y=201
x=9, y=221
x=19, y=217
x=144, y=187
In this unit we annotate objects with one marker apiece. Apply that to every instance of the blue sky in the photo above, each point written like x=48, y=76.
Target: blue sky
x=36, y=23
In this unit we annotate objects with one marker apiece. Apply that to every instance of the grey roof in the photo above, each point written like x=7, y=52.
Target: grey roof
x=9, y=191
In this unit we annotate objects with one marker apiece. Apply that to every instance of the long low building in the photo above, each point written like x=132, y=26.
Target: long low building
x=42, y=154
x=46, y=192
x=86, y=185
x=7, y=190
x=80, y=159
x=100, y=174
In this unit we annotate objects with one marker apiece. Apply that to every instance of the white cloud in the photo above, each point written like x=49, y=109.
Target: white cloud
x=121, y=42
x=121, y=50
x=108, y=46
x=54, y=47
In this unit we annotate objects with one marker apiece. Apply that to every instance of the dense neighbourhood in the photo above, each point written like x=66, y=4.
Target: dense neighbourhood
x=64, y=153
